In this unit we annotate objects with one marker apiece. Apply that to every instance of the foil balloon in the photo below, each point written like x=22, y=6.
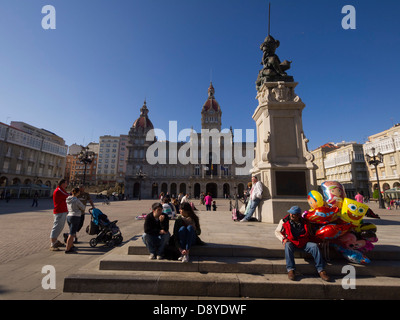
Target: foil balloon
x=353, y=211
x=350, y=241
x=332, y=231
x=366, y=230
x=321, y=215
x=334, y=193
x=368, y=245
x=352, y=255
x=315, y=199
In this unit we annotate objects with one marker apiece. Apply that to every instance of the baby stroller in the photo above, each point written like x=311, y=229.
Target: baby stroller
x=107, y=232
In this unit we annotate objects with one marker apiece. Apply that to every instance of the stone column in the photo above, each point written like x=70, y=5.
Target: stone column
x=282, y=161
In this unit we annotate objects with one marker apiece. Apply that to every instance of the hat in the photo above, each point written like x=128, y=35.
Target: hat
x=294, y=210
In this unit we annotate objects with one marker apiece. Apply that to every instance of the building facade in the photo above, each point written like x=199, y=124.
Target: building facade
x=31, y=160
x=108, y=159
x=345, y=163
x=319, y=158
x=75, y=169
x=122, y=158
x=112, y=159
x=388, y=144
x=185, y=167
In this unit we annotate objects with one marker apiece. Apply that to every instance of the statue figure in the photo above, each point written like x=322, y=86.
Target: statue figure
x=273, y=69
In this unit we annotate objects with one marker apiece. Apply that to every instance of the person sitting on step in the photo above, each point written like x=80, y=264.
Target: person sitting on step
x=186, y=231
x=294, y=234
x=156, y=232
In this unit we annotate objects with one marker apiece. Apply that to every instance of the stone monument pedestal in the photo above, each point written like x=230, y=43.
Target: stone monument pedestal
x=282, y=161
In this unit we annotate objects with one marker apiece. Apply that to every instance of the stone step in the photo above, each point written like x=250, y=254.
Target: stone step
x=380, y=252
x=221, y=250
x=238, y=260
x=230, y=285
x=248, y=265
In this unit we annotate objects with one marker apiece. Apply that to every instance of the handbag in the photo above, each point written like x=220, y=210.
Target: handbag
x=92, y=228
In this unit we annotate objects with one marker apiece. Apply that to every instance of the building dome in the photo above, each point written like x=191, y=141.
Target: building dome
x=143, y=122
x=211, y=112
x=211, y=103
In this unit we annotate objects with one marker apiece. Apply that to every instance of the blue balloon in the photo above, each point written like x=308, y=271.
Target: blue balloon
x=352, y=255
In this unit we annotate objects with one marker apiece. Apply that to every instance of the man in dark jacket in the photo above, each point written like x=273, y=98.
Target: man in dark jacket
x=156, y=232
x=294, y=234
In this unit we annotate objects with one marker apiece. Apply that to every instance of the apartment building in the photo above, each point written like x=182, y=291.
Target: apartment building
x=343, y=162
x=123, y=154
x=108, y=159
x=388, y=144
x=31, y=160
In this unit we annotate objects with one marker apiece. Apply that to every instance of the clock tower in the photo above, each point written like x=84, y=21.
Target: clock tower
x=211, y=112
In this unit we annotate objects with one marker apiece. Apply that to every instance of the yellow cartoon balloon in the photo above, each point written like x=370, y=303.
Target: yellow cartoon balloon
x=353, y=211
x=315, y=199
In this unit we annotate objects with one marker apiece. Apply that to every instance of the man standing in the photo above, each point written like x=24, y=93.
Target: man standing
x=255, y=198
x=294, y=234
x=60, y=214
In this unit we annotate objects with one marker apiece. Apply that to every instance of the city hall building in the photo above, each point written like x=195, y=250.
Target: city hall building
x=209, y=161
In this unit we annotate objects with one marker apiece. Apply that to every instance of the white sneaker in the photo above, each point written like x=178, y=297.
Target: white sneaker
x=180, y=258
x=185, y=258
x=152, y=256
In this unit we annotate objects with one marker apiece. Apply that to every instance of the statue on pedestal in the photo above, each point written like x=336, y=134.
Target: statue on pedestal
x=273, y=69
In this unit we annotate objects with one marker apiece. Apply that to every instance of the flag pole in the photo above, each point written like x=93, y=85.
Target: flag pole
x=269, y=18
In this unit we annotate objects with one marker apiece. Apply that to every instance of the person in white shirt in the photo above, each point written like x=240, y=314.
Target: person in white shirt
x=185, y=198
x=255, y=198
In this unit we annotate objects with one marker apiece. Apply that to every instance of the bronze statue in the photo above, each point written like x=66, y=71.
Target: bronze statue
x=273, y=70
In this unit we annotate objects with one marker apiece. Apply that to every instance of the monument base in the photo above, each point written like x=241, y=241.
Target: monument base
x=273, y=210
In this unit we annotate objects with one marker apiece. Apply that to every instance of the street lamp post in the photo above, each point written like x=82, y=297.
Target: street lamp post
x=236, y=199
x=375, y=160
x=86, y=157
x=140, y=175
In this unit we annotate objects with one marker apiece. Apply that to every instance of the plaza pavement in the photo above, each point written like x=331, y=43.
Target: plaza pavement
x=24, y=245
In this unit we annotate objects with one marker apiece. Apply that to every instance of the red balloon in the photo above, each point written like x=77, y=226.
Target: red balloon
x=322, y=215
x=332, y=231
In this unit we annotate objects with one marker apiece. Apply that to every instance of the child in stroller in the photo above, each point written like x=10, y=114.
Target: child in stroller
x=106, y=231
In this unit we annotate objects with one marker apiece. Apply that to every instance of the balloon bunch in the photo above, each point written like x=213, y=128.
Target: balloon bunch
x=339, y=220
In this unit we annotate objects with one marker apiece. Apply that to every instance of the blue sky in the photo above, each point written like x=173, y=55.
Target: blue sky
x=90, y=76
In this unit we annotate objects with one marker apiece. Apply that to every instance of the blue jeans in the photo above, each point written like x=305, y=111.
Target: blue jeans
x=156, y=243
x=251, y=207
x=187, y=237
x=73, y=223
x=311, y=248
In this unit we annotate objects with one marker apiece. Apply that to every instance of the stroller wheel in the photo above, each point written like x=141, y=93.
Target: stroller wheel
x=111, y=243
x=93, y=242
x=118, y=240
